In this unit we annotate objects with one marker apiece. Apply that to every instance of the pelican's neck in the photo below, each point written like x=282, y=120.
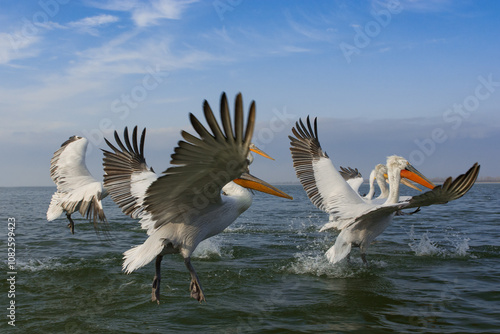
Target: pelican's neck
x=242, y=196
x=394, y=177
x=384, y=192
x=369, y=196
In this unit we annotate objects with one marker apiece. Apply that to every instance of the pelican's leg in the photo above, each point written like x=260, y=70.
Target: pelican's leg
x=155, y=294
x=195, y=286
x=363, y=257
x=71, y=224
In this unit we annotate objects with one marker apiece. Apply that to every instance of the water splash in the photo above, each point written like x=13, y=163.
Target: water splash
x=424, y=245
x=461, y=246
x=210, y=249
x=454, y=245
x=318, y=265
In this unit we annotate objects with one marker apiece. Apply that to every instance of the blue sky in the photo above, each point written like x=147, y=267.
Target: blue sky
x=419, y=79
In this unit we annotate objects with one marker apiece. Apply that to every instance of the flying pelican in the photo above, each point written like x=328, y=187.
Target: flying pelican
x=77, y=189
x=361, y=222
x=198, y=197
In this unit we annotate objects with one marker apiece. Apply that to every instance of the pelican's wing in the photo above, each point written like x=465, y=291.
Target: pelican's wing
x=449, y=191
x=352, y=176
x=126, y=173
x=203, y=165
x=324, y=185
x=77, y=189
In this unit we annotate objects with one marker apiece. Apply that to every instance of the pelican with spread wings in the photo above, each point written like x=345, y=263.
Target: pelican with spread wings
x=77, y=189
x=359, y=221
x=203, y=192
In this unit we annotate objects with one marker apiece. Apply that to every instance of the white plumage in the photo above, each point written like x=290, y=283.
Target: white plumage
x=358, y=220
x=198, y=197
x=77, y=189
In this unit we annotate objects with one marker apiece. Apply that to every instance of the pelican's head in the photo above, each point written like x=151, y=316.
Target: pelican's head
x=400, y=165
x=249, y=181
x=381, y=172
x=257, y=150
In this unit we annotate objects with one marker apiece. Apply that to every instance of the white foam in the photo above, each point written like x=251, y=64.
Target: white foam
x=425, y=246
x=209, y=249
x=454, y=245
x=318, y=265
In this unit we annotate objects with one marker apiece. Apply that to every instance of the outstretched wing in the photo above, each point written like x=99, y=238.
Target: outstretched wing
x=77, y=189
x=449, y=191
x=352, y=176
x=202, y=165
x=324, y=185
x=126, y=173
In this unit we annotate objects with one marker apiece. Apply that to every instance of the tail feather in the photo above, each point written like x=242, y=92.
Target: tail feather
x=141, y=255
x=339, y=250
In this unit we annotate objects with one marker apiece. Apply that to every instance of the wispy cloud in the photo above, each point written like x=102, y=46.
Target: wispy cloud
x=147, y=13
x=89, y=24
x=16, y=45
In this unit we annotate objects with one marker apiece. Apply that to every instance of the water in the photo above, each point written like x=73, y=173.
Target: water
x=437, y=271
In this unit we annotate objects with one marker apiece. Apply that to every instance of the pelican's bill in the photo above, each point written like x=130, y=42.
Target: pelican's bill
x=411, y=173
x=403, y=181
x=249, y=181
x=257, y=150
x=409, y=184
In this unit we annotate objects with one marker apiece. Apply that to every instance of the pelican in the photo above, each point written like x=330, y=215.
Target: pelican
x=198, y=197
x=77, y=189
x=360, y=222
x=354, y=178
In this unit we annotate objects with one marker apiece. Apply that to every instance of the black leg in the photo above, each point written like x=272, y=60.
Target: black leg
x=71, y=224
x=155, y=295
x=363, y=257
x=195, y=286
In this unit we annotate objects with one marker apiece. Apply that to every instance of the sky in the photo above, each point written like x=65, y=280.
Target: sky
x=420, y=79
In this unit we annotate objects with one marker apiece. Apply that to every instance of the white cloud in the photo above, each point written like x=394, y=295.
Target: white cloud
x=88, y=24
x=147, y=13
x=93, y=21
x=426, y=6
x=16, y=45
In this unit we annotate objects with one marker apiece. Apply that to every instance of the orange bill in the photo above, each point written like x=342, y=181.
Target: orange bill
x=249, y=181
x=257, y=150
x=414, y=175
x=405, y=182
x=409, y=184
